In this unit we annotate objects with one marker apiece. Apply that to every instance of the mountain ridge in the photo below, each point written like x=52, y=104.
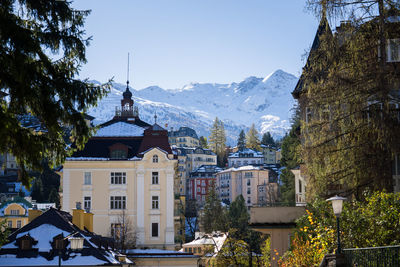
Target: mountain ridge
x=266, y=102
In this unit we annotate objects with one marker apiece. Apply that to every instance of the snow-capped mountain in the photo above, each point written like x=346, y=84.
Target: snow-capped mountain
x=267, y=102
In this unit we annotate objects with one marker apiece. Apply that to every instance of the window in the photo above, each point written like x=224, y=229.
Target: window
x=118, y=178
x=199, y=250
x=26, y=244
x=18, y=224
x=154, y=229
x=14, y=212
x=249, y=200
x=88, y=178
x=393, y=50
x=155, y=159
x=203, y=190
x=118, y=154
x=248, y=181
x=198, y=182
x=190, y=250
x=154, y=202
x=396, y=165
x=116, y=230
x=203, y=183
x=117, y=202
x=87, y=203
x=194, y=250
x=9, y=224
x=198, y=189
x=154, y=178
x=248, y=190
x=308, y=114
x=203, y=198
x=299, y=186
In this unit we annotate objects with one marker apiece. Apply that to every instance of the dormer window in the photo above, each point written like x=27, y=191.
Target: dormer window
x=26, y=242
x=118, y=151
x=118, y=154
x=155, y=159
x=59, y=243
x=393, y=50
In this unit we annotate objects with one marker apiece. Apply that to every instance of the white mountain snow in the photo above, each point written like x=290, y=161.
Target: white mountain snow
x=267, y=102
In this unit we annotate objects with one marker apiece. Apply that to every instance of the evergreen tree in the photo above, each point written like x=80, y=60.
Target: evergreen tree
x=4, y=232
x=241, y=143
x=217, y=141
x=352, y=119
x=203, y=142
x=252, y=138
x=238, y=215
x=54, y=197
x=268, y=140
x=33, y=34
x=214, y=215
x=37, y=190
x=241, y=235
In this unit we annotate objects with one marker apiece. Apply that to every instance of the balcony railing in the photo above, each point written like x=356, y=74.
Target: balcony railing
x=373, y=257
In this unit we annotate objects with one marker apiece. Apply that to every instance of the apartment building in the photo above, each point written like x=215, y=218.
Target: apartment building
x=184, y=137
x=200, y=181
x=257, y=185
x=245, y=157
x=190, y=158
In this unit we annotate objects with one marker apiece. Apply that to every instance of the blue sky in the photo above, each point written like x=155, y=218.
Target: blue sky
x=175, y=42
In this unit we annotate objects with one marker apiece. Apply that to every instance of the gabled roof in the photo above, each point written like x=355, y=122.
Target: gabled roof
x=43, y=229
x=323, y=28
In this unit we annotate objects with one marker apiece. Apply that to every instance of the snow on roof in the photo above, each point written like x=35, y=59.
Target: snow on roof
x=215, y=239
x=12, y=260
x=85, y=158
x=120, y=129
x=242, y=168
x=158, y=253
x=43, y=234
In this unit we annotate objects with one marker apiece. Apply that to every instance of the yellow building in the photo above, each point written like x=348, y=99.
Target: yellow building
x=125, y=177
x=15, y=212
x=257, y=185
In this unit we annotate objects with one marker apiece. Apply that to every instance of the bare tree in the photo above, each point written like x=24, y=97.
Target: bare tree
x=123, y=231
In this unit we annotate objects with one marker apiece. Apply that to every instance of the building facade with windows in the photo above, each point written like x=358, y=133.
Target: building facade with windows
x=245, y=157
x=257, y=185
x=190, y=158
x=15, y=212
x=368, y=104
x=269, y=154
x=125, y=169
x=200, y=181
x=184, y=137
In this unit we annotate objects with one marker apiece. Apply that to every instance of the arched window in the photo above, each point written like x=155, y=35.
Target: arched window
x=155, y=159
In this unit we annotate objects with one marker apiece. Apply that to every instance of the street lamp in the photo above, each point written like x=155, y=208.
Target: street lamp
x=337, y=205
x=76, y=244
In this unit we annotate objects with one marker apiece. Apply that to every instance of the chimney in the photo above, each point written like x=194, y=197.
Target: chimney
x=78, y=216
x=88, y=220
x=33, y=213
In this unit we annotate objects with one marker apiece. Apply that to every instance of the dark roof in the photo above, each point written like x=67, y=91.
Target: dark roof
x=323, y=28
x=63, y=221
x=99, y=147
